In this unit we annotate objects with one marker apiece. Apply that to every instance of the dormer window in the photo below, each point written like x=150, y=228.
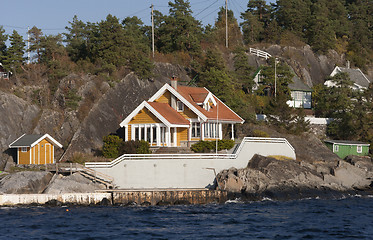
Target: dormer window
x=180, y=106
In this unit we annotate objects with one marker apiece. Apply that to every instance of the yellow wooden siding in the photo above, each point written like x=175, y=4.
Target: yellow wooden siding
x=144, y=116
x=41, y=153
x=23, y=157
x=187, y=113
x=182, y=135
x=195, y=139
x=165, y=98
x=210, y=139
x=129, y=132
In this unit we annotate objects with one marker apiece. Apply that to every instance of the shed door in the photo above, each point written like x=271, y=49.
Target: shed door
x=48, y=153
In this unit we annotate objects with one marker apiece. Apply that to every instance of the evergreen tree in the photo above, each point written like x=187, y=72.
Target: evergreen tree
x=108, y=43
x=137, y=47
x=15, y=52
x=293, y=15
x=35, y=41
x=51, y=48
x=283, y=78
x=3, y=47
x=252, y=28
x=77, y=40
x=179, y=31
x=242, y=70
x=234, y=32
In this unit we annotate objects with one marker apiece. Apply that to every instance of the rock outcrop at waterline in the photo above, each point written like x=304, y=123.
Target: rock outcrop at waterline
x=37, y=182
x=290, y=179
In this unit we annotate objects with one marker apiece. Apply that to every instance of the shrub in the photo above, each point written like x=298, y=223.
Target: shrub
x=111, y=146
x=203, y=146
x=260, y=133
x=132, y=147
x=208, y=146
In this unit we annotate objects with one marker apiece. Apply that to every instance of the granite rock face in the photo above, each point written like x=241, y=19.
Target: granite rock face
x=74, y=183
x=289, y=179
x=25, y=182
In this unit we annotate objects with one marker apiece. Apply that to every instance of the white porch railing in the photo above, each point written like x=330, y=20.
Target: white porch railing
x=260, y=53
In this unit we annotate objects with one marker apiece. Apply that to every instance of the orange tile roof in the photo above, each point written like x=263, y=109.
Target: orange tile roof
x=224, y=113
x=170, y=114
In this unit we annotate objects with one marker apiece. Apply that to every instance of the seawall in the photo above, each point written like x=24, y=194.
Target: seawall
x=186, y=171
x=120, y=197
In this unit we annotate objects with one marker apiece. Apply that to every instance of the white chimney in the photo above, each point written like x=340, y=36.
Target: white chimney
x=173, y=98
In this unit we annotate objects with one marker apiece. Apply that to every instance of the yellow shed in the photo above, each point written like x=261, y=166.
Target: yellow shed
x=35, y=149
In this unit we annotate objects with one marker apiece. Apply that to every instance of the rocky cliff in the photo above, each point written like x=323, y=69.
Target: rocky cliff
x=80, y=129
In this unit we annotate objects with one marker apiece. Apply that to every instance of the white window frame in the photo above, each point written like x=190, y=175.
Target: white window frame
x=180, y=106
x=335, y=148
x=24, y=149
x=359, y=149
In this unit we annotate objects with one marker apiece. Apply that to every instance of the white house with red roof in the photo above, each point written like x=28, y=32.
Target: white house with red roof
x=178, y=115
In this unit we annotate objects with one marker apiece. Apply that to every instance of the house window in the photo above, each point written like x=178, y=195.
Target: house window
x=336, y=148
x=148, y=130
x=24, y=149
x=180, y=106
x=359, y=149
x=196, y=129
x=154, y=134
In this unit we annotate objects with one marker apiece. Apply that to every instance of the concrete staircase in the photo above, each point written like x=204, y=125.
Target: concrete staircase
x=173, y=150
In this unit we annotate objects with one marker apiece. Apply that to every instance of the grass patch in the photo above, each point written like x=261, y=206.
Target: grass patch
x=281, y=158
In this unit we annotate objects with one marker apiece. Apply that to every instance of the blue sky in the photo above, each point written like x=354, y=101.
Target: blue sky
x=53, y=16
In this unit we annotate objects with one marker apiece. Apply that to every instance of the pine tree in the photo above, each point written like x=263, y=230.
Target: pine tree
x=3, y=47
x=108, y=43
x=234, y=32
x=77, y=40
x=179, y=31
x=242, y=70
x=35, y=40
x=51, y=48
x=293, y=15
x=137, y=47
x=15, y=52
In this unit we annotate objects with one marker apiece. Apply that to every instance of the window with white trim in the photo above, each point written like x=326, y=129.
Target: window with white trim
x=24, y=149
x=359, y=149
x=196, y=129
x=336, y=148
x=180, y=106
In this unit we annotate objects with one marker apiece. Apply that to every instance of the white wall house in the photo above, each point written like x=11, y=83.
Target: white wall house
x=360, y=81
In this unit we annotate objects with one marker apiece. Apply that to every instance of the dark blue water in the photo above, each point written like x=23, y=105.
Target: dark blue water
x=350, y=218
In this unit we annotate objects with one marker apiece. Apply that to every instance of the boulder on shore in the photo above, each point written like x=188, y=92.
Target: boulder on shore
x=25, y=182
x=292, y=179
x=74, y=183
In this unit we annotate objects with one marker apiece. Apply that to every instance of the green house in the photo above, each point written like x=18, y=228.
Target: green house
x=344, y=148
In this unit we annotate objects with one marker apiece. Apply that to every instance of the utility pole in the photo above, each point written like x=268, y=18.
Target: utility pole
x=275, y=78
x=152, y=7
x=226, y=23
x=28, y=45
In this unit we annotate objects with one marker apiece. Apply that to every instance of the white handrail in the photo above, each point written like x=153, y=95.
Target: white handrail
x=186, y=156
x=260, y=53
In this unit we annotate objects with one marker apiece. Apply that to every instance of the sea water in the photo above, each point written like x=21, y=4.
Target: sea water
x=348, y=218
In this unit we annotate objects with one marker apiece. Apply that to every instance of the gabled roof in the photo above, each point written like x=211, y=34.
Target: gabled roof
x=33, y=139
x=186, y=102
x=221, y=111
x=164, y=112
x=192, y=97
x=356, y=75
x=298, y=85
x=346, y=142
